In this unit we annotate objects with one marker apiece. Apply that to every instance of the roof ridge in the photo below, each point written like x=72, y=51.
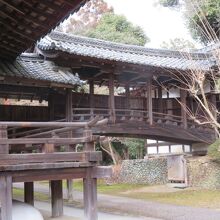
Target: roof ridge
x=71, y=38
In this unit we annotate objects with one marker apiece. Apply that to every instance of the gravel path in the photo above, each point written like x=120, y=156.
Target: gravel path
x=145, y=208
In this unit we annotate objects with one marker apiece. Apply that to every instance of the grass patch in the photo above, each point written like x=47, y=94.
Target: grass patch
x=19, y=194
x=195, y=198
x=103, y=187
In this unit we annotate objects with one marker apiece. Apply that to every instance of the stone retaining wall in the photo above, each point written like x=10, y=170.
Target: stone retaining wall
x=147, y=171
x=203, y=173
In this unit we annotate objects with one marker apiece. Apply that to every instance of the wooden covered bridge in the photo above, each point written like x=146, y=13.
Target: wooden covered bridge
x=149, y=105
x=38, y=141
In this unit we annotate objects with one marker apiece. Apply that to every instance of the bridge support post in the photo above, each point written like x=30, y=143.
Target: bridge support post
x=90, y=196
x=57, y=198
x=112, y=98
x=29, y=193
x=149, y=101
x=6, y=197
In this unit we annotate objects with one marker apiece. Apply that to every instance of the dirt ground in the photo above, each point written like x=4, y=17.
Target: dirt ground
x=46, y=216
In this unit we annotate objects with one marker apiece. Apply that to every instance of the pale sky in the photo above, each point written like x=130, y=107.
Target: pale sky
x=159, y=23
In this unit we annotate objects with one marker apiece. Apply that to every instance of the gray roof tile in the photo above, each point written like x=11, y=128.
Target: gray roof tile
x=32, y=66
x=96, y=48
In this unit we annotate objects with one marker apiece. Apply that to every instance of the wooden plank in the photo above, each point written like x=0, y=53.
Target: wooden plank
x=26, y=124
x=101, y=172
x=48, y=174
x=6, y=197
x=56, y=198
x=15, y=159
x=90, y=196
x=46, y=140
x=29, y=193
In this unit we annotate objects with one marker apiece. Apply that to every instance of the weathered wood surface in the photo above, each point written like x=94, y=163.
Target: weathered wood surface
x=4, y=147
x=56, y=198
x=47, y=140
x=16, y=159
x=6, y=197
x=66, y=171
x=90, y=196
x=29, y=193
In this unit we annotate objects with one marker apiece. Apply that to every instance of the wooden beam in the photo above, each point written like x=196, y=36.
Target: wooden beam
x=6, y=197
x=16, y=159
x=57, y=198
x=15, y=141
x=90, y=196
x=29, y=193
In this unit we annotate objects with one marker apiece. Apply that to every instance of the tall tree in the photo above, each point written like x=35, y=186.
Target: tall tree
x=117, y=28
x=86, y=18
x=97, y=20
x=203, y=18
x=178, y=44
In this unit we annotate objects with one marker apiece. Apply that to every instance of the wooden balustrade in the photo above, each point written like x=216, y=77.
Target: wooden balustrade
x=84, y=114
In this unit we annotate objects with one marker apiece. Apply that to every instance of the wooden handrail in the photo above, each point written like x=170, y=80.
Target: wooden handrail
x=134, y=113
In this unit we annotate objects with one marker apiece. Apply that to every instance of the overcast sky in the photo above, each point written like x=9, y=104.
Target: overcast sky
x=159, y=23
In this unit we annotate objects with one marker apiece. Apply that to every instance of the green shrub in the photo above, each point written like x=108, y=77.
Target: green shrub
x=213, y=151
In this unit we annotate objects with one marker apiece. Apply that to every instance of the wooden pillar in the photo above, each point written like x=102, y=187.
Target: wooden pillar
x=90, y=197
x=127, y=95
x=149, y=101
x=4, y=148
x=69, y=105
x=183, y=94
x=57, y=198
x=6, y=197
x=69, y=118
x=91, y=95
x=112, y=98
x=160, y=100
x=51, y=105
x=29, y=193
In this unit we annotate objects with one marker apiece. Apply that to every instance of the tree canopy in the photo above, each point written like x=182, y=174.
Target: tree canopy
x=203, y=18
x=97, y=20
x=178, y=44
x=117, y=28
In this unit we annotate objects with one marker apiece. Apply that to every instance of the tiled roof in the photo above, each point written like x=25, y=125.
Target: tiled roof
x=100, y=49
x=24, y=22
x=31, y=66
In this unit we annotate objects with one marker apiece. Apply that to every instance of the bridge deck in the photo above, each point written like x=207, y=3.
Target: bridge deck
x=135, y=123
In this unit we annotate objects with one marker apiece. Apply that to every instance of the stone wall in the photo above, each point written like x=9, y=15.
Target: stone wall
x=148, y=171
x=203, y=173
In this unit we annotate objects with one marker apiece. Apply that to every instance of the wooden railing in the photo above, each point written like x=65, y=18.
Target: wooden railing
x=123, y=115
x=42, y=144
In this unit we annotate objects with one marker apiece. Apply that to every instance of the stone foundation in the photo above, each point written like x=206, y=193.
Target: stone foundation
x=147, y=171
